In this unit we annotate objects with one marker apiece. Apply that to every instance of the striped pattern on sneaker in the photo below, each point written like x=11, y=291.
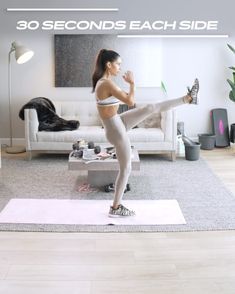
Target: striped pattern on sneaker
x=121, y=211
x=193, y=92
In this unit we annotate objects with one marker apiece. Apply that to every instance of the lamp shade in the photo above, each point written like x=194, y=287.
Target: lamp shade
x=22, y=54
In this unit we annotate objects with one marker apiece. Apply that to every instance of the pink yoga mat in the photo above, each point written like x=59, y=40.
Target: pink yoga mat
x=90, y=212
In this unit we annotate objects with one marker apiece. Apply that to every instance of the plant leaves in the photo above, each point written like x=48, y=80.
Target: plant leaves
x=231, y=84
x=232, y=67
x=231, y=48
x=231, y=96
x=163, y=87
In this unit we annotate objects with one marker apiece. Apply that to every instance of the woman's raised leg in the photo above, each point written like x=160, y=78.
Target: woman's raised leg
x=133, y=117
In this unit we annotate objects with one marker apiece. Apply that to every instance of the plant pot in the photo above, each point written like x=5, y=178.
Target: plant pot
x=207, y=141
x=232, y=133
x=192, y=152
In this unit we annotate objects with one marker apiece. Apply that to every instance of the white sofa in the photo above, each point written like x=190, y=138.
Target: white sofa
x=161, y=139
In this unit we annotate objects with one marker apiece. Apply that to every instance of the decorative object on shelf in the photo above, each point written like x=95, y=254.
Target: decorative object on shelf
x=220, y=127
x=22, y=55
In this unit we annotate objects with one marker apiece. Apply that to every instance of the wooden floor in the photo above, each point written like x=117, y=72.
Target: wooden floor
x=172, y=263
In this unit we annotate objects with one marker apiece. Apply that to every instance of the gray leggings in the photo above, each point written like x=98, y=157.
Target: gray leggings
x=116, y=129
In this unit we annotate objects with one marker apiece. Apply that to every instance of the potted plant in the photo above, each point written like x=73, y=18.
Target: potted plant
x=232, y=95
x=232, y=83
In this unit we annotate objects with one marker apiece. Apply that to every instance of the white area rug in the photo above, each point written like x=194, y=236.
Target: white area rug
x=90, y=212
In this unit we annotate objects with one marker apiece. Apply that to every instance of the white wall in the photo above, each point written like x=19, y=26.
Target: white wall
x=183, y=60
x=207, y=59
x=36, y=79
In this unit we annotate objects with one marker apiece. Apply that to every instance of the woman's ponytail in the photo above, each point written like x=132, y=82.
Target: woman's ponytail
x=102, y=58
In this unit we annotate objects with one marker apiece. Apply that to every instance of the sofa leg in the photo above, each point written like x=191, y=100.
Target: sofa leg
x=29, y=155
x=173, y=156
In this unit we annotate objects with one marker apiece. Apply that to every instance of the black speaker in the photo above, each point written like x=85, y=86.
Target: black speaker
x=220, y=127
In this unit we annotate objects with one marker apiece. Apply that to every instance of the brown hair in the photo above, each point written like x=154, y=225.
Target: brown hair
x=102, y=58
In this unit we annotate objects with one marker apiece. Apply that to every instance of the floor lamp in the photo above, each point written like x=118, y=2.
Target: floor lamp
x=22, y=55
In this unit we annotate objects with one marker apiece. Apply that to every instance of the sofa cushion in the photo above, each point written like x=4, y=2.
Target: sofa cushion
x=96, y=134
x=84, y=111
x=153, y=121
x=89, y=133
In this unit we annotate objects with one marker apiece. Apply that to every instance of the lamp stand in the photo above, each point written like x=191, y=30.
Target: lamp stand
x=11, y=149
x=15, y=149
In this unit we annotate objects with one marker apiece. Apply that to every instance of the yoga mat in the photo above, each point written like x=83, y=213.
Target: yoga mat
x=90, y=212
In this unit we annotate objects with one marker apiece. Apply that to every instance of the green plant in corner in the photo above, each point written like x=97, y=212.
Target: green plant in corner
x=232, y=83
x=163, y=87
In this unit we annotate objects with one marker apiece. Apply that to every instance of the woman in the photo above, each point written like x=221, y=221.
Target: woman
x=108, y=97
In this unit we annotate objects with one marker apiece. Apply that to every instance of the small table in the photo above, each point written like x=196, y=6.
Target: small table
x=101, y=172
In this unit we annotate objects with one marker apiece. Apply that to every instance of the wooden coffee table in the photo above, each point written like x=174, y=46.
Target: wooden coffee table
x=101, y=172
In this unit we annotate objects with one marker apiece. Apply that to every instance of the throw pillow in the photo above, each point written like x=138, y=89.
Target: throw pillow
x=124, y=107
x=153, y=121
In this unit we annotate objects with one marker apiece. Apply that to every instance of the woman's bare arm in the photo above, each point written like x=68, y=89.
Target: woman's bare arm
x=127, y=98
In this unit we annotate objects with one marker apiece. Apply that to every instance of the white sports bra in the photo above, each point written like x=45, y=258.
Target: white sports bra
x=109, y=101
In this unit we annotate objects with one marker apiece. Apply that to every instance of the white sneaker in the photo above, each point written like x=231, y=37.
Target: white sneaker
x=121, y=211
x=193, y=92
